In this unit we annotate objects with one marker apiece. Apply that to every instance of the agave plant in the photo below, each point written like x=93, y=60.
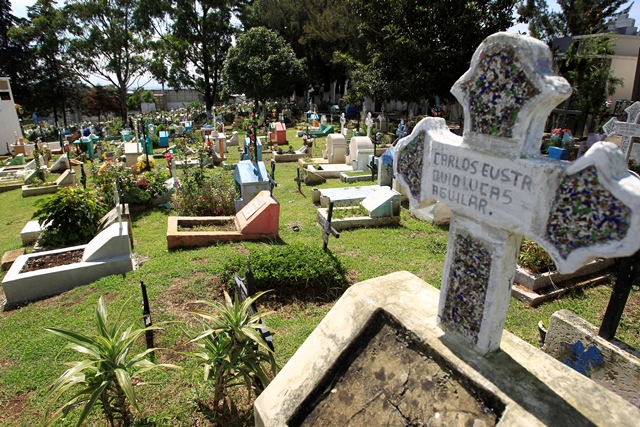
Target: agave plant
x=233, y=349
x=105, y=376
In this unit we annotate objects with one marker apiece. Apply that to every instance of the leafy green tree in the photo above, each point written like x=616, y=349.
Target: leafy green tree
x=262, y=65
x=588, y=69
x=100, y=100
x=52, y=75
x=107, y=44
x=195, y=37
x=575, y=18
x=315, y=30
x=16, y=55
x=421, y=48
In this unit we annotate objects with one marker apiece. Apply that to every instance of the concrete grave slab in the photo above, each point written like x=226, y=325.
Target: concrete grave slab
x=30, y=232
x=384, y=202
x=10, y=256
x=61, y=164
x=259, y=219
x=575, y=342
x=107, y=254
x=344, y=196
x=535, y=389
x=68, y=178
x=251, y=178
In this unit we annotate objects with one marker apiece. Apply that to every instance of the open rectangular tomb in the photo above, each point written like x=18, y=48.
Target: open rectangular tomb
x=534, y=388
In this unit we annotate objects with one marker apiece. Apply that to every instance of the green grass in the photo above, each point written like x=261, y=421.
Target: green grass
x=31, y=359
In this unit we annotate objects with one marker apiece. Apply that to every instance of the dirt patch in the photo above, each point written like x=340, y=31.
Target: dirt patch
x=222, y=226
x=390, y=379
x=14, y=407
x=52, y=260
x=243, y=251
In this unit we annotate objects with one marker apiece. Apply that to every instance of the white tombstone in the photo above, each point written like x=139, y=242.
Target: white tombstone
x=61, y=164
x=369, y=123
x=233, y=141
x=131, y=152
x=628, y=129
x=500, y=188
x=360, y=148
x=323, y=120
x=336, y=148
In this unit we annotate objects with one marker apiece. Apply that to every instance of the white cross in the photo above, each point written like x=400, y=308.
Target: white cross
x=628, y=129
x=500, y=188
x=369, y=123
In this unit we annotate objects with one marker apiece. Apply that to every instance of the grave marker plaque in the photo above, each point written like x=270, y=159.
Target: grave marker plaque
x=628, y=129
x=500, y=188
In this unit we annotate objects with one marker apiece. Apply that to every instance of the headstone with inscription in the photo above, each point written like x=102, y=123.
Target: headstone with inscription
x=499, y=187
x=629, y=129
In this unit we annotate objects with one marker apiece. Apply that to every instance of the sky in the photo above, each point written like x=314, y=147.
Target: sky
x=19, y=8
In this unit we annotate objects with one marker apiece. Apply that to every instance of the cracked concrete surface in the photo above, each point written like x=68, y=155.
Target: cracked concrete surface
x=393, y=382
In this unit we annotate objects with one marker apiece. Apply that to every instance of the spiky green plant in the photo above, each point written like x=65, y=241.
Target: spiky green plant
x=105, y=375
x=233, y=349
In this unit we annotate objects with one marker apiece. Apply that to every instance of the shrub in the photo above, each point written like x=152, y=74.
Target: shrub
x=105, y=376
x=69, y=217
x=233, y=349
x=298, y=269
x=534, y=258
x=147, y=187
x=202, y=194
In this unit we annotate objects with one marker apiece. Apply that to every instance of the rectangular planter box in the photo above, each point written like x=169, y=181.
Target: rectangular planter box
x=107, y=254
x=356, y=178
x=539, y=281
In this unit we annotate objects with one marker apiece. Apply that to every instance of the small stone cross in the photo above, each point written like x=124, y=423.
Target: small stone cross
x=369, y=123
x=500, y=188
x=627, y=129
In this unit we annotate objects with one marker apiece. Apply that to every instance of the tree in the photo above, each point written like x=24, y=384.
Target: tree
x=262, y=65
x=195, y=37
x=15, y=55
x=575, y=18
x=52, y=77
x=107, y=44
x=588, y=69
x=100, y=100
x=315, y=30
x=421, y=48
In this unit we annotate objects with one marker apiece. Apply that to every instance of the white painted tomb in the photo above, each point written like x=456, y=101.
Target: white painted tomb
x=499, y=188
x=30, y=232
x=106, y=254
x=360, y=148
x=336, y=148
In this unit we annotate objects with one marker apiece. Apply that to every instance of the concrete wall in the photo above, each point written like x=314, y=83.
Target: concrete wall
x=575, y=342
x=9, y=122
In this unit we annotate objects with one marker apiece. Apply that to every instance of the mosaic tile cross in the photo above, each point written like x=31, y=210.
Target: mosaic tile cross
x=500, y=188
x=628, y=129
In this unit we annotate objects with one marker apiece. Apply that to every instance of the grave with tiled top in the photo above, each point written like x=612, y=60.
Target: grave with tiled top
x=499, y=188
x=628, y=130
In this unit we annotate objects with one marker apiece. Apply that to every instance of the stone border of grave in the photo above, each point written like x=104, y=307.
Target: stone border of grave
x=366, y=176
x=183, y=239
x=68, y=178
x=535, y=282
x=106, y=254
x=413, y=302
x=356, y=221
x=613, y=365
x=288, y=157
